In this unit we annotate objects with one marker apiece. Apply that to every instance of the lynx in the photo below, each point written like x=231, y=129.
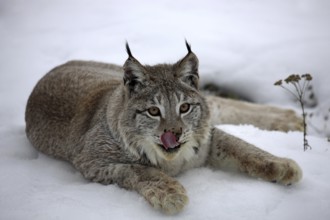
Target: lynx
x=139, y=126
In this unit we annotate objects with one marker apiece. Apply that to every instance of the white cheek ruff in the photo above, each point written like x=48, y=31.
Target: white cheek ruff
x=156, y=155
x=187, y=150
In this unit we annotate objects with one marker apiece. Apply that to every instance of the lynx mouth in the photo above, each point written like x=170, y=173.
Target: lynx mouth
x=169, y=142
x=170, y=150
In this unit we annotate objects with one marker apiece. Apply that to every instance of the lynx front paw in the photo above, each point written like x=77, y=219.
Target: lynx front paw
x=169, y=196
x=284, y=171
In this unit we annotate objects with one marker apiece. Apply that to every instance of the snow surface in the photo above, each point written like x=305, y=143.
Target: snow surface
x=244, y=45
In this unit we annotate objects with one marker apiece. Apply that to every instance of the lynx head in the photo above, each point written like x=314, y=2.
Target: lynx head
x=164, y=115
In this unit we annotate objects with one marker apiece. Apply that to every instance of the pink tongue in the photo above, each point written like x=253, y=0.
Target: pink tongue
x=169, y=140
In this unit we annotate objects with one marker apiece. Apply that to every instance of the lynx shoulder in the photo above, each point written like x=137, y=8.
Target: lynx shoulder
x=138, y=126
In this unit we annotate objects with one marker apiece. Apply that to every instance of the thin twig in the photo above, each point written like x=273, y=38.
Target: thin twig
x=299, y=95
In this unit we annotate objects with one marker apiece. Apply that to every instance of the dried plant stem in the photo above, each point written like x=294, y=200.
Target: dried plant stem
x=306, y=145
x=299, y=95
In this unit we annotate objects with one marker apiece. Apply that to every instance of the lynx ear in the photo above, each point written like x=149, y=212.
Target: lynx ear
x=134, y=72
x=188, y=68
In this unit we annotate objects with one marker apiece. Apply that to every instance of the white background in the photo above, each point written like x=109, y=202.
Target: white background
x=244, y=45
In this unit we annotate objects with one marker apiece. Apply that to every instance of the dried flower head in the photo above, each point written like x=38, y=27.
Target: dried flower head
x=307, y=76
x=292, y=78
x=278, y=83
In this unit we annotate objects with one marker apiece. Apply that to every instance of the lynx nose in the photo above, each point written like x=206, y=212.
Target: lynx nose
x=176, y=131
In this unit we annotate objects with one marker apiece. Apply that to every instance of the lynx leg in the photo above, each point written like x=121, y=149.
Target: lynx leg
x=230, y=152
x=228, y=111
x=163, y=192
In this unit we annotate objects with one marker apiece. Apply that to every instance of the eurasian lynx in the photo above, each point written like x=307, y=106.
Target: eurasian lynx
x=141, y=125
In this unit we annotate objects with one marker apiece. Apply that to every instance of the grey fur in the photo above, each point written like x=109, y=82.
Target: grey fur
x=85, y=113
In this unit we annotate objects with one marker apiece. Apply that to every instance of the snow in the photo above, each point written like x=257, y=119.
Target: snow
x=243, y=45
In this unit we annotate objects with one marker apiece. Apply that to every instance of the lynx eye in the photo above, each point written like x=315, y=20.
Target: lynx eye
x=154, y=111
x=184, y=108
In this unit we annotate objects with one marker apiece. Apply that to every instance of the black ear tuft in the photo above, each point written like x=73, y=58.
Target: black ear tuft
x=188, y=47
x=128, y=50
x=187, y=68
x=135, y=77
